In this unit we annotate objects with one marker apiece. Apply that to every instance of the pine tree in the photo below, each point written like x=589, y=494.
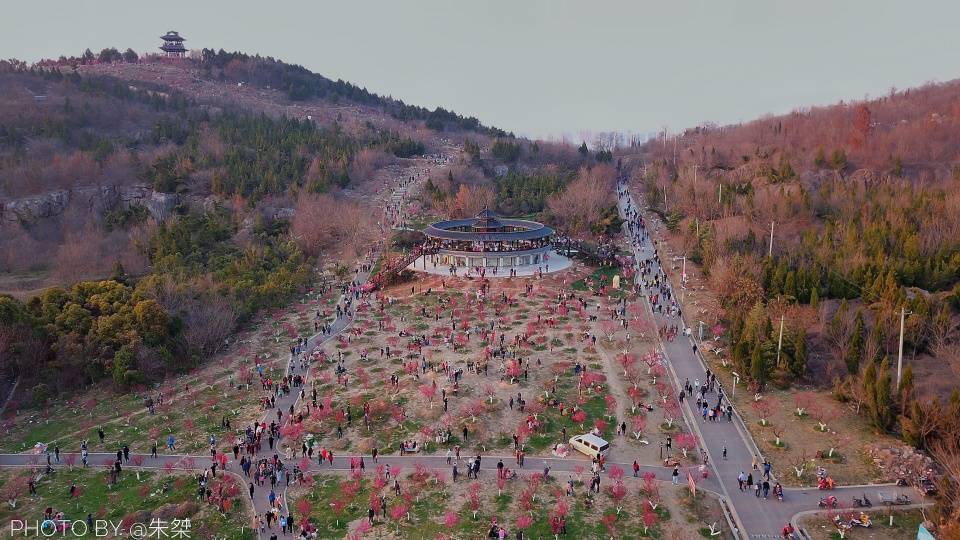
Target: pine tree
x=854, y=354
x=758, y=370
x=876, y=340
x=798, y=363
x=883, y=411
x=815, y=297
x=741, y=354
x=905, y=390
x=869, y=386
x=790, y=285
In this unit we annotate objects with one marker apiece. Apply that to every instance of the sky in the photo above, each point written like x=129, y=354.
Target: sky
x=545, y=68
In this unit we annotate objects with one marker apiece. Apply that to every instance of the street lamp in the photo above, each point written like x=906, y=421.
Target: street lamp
x=736, y=379
x=700, y=330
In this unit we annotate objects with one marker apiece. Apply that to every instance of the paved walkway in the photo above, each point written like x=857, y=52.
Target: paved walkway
x=759, y=518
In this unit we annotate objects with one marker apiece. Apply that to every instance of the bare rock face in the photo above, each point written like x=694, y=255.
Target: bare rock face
x=31, y=209
x=93, y=199
x=160, y=205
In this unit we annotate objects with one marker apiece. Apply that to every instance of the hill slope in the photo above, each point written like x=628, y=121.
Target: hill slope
x=864, y=199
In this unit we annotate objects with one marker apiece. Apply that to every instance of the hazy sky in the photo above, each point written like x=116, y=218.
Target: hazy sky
x=545, y=68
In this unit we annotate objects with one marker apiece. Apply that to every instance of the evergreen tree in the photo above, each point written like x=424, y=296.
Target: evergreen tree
x=869, y=386
x=758, y=368
x=741, y=355
x=883, y=411
x=583, y=149
x=790, y=285
x=876, y=340
x=798, y=361
x=821, y=158
x=905, y=390
x=815, y=297
x=854, y=354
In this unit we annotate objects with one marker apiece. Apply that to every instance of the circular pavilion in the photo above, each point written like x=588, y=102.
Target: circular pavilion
x=488, y=242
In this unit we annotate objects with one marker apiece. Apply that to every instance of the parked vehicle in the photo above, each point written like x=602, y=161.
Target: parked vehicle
x=897, y=499
x=590, y=444
x=926, y=486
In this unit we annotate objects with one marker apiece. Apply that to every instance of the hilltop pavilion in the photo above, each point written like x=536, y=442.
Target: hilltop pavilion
x=173, y=45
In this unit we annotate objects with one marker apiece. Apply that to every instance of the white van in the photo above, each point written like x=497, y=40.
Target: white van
x=590, y=444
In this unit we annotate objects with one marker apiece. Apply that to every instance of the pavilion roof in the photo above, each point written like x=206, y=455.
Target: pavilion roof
x=486, y=220
x=526, y=230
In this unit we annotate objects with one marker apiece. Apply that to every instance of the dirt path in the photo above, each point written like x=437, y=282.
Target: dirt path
x=619, y=391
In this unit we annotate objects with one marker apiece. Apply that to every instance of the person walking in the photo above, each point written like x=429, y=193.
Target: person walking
x=636, y=469
x=676, y=475
x=741, y=480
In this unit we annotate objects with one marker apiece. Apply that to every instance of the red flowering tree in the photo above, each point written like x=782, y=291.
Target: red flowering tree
x=636, y=396
x=450, y=519
x=639, y=424
x=513, y=370
x=686, y=442
x=627, y=361
x=609, y=328
x=651, y=488
x=656, y=371
x=579, y=417
x=617, y=492
x=610, y=522
x=428, y=391
x=671, y=411
x=649, y=518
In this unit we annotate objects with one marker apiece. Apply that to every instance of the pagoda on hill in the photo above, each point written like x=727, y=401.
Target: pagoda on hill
x=173, y=45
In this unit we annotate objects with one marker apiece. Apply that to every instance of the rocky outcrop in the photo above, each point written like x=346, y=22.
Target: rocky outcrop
x=38, y=207
x=89, y=198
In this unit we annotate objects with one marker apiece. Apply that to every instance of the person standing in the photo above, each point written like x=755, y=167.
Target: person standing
x=676, y=475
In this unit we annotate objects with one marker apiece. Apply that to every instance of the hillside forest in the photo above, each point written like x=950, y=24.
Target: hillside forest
x=863, y=201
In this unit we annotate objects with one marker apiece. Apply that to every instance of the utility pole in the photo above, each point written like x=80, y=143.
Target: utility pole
x=780, y=341
x=675, y=152
x=903, y=315
x=720, y=195
x=695, y=167
x=770, y=248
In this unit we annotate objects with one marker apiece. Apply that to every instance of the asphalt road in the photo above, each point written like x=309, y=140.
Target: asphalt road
x=758, y=517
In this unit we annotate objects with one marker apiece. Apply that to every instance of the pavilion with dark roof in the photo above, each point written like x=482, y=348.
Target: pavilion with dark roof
x=173, y=45
x=488, y=241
